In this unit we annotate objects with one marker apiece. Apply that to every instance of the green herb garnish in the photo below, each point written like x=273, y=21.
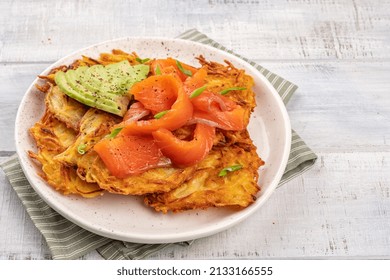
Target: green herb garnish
x=159, y=115
x=114, y=132
x=81, y=149
x=223, y=92
x=198, y=92
x=181, y=68
x=142, y=61
x=158, y=71
x=232, y=168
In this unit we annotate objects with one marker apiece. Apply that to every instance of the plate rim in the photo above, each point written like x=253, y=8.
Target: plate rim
x=173, y=237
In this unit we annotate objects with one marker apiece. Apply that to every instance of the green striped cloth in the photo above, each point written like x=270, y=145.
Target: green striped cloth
x=69, y=241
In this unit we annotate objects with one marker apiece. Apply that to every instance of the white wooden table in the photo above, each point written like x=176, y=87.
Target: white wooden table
x=338, y=52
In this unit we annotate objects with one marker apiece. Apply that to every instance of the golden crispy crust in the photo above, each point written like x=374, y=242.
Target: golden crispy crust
x=51, y=134
x=94, y=125
x=220, y=77
x=53, y=137
x=64, y=108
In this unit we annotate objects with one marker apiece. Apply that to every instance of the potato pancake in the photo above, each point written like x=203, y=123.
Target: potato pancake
x=64, y=108
x=53, y=137
x=67, y=133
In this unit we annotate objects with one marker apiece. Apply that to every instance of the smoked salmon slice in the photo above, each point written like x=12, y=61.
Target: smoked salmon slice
x=157, y=93
x=126, y=155
x=186, y=153
x=170, y=66
x=178, y=115
x=219, y=111
x=227, y=120
x=136, y=112
x=196, y=81
x=209, y=101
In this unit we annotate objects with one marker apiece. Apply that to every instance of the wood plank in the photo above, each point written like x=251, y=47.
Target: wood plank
x=342, y=216
x=15, y=79
x=342, y=107
x=339, y=106
x=300, y=29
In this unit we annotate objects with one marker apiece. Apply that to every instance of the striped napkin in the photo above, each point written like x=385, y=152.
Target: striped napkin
x=69, y=241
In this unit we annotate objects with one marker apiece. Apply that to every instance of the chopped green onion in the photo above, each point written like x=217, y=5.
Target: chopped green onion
x=223, y=92
x=114, y=132
x=181, y=68
x=158, y=71
x=198, y=92
x=232, y=168
x=140, y=60
x=159, y=115
x=81, y=149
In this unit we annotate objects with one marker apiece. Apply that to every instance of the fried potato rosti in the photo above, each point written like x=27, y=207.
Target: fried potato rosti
x=64, y=108
x=106, y=59
x=156, y=180
x=220, y=77
x=53, y=137
x=205, y=188
x=64, y=178
x=94, y=125
x=116, y=56
x=67, y=133
x=51, y=134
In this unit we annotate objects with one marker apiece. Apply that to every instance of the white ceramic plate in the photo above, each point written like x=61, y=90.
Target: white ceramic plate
x=127, y=218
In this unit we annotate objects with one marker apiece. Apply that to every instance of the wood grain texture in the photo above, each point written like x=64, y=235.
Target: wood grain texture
x=338, y=53
x=45, y=31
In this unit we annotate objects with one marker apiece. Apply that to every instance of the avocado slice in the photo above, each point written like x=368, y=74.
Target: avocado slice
x=71, y=87
x=137, y=74
x=100, y=80
x=133, y=74
x=92, y=77
x=102, y=87
x=73, y=80
x=114, y=78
